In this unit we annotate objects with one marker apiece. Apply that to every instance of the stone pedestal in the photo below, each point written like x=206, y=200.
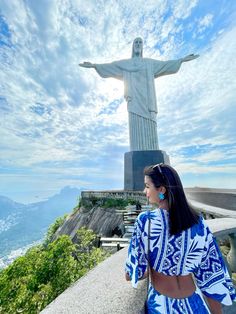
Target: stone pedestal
x=135, y=162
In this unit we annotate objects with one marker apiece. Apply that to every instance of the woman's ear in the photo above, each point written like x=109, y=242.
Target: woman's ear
x=162, y=189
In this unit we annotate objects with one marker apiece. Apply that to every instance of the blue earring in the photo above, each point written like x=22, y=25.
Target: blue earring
x=161, y=196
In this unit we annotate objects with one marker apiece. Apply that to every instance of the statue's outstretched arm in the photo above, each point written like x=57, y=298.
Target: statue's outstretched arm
x=87, y=65
x=189, y=57
x=106, y=69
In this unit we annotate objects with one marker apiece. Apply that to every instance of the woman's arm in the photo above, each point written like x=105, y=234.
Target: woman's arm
x=127, y=277
x=214, y=306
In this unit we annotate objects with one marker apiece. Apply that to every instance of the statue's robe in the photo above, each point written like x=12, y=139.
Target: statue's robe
x=138, y=75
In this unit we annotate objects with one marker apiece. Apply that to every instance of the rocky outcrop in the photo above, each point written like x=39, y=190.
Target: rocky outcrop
x=94, y=214
x=103, y=221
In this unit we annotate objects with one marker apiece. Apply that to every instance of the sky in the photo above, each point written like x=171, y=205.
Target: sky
x=61, y=124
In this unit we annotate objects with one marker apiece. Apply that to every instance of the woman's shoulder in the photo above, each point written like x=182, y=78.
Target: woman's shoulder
x=200, y=228
x=203, y=223
x=145, y=215
x=142, y=217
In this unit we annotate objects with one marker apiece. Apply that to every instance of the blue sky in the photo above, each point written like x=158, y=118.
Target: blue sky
x=61, y=124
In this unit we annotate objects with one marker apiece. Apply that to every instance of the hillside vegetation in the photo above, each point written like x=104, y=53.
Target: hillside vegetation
x=34, y=280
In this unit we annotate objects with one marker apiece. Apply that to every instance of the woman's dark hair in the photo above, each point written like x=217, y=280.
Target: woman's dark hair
x=181, y=215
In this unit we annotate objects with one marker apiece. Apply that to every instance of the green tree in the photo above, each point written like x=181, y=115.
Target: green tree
x=53, y=228
x=35, y=279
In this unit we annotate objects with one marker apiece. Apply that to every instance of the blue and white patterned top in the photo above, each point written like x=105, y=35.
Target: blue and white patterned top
x=191, y=251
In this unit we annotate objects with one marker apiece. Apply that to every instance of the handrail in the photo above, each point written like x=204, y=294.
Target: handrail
x=213, y=210
x=221, y=227
x=119, y=243
x=103, y=290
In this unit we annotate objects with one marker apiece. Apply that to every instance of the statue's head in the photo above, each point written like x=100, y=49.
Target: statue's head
x=137, y=48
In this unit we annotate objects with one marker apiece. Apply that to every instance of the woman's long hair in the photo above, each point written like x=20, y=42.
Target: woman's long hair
x=181, y=215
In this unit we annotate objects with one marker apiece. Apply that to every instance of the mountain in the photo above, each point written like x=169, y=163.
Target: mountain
x=21, y=225
x=7, y=206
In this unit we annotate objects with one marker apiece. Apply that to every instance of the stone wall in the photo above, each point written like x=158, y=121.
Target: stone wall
x=117, y=194
x=214, y=197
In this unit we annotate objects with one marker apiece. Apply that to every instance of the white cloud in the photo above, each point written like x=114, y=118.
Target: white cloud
x=202, y=97
x=183, y=8
x=205, y=22
x=58, y=112
x=202, y=25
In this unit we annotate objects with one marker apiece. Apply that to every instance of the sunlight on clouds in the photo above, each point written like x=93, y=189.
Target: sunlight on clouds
x=209, y=97
x=59, y=112
x=122, y=114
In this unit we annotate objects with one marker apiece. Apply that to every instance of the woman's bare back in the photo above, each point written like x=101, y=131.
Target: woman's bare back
x=177, y=287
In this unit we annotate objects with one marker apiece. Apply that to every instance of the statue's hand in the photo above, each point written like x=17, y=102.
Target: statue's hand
x=153, y=115
x=190, y=57
x=87, y=65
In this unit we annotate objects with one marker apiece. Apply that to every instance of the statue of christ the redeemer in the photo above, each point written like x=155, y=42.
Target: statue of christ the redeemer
x=138, y=74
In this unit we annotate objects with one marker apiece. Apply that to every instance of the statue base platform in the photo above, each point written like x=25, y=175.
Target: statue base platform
x=134, y=164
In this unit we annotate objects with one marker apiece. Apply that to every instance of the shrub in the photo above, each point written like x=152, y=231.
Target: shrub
x=32, y=281
x=53, y=228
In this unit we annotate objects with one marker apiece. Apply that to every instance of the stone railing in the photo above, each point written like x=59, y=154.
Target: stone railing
x=222, y=231
x=210, y=212
x=224, y=198
x=104, y=290
x=117, y=194
x=226, y=227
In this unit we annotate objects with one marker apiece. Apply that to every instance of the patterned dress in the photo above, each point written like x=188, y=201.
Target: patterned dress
x=192, y=251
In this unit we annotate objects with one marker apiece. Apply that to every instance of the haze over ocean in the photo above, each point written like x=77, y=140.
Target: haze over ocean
x=63, y=125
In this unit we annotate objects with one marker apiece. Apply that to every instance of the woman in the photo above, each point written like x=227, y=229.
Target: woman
x=185, y=261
